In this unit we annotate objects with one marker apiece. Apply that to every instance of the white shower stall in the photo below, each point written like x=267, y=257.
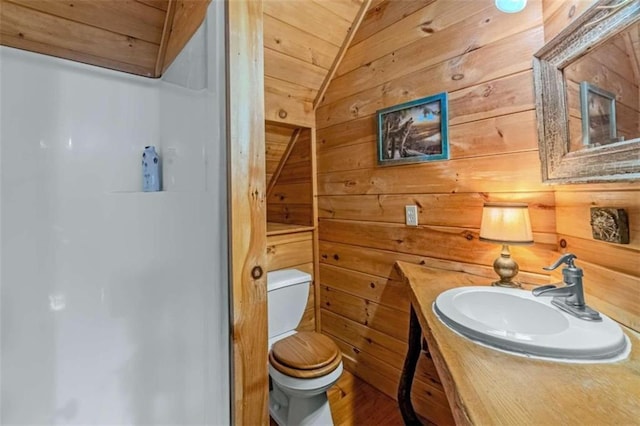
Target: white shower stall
x=114, y=302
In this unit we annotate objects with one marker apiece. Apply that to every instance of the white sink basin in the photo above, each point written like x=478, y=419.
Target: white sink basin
x=515, y=321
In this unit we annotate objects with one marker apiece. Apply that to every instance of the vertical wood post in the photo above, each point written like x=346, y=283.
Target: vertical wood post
x=247, y=212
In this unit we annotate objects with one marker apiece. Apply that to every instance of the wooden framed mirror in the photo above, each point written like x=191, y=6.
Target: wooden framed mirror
x=591, y=70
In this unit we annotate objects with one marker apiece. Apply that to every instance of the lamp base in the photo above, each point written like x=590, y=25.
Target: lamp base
x=508, y=284
x=507, y=269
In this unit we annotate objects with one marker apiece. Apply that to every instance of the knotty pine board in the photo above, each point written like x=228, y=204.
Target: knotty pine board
x=450, y=243
x=382, y=13
x=132, y=18
x=282, y=106
x=295, y=214
x=494, y=156
x=51, y=30
x=289, y=249
x=384, y=291
x=558, y=14
x=381, y=263
x=281, y=88
x=295, y=207
x=344, y=9
x=573, y=213
x=299, y=44
x=507, y=172
x=427, y=22
x=386, y=348
x=277, y=138
x=284, y=67
x=139, y=37
x=316, y=19
x=445, y=47
x=504, y=95
x=460, y=209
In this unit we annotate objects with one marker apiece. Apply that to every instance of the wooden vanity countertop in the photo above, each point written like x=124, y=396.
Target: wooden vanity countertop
x=485, y=386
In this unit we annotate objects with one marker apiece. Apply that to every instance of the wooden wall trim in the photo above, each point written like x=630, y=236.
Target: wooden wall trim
x=343, y=50
x=187, y=18
x=316, y=235
x=247, y=212
x=166, y=32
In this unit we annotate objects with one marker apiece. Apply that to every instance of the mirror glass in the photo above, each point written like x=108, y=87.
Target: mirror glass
x=587, y=81
x=603, y=93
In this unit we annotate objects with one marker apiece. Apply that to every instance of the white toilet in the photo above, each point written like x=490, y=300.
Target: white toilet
x=302, y=365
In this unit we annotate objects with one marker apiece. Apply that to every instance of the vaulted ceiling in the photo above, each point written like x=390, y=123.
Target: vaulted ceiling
x=304, y=41
x=136, y=36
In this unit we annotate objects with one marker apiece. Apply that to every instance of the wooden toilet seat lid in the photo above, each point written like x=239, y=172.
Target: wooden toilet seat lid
x=305, y=354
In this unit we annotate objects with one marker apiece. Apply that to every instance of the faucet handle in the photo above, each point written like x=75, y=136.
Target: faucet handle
x=567, y=258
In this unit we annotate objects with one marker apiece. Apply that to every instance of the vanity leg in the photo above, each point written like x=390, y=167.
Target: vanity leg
x=408, y=371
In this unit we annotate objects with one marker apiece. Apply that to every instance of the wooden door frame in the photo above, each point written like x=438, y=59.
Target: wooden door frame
x=247, y=212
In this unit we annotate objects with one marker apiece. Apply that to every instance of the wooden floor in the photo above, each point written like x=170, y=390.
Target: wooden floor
x=354, y=402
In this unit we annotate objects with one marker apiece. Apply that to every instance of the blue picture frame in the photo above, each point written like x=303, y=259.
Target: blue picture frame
x=414, y=132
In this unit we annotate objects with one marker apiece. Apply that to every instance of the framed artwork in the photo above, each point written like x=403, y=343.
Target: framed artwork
x=598, y=113
x=414, y=131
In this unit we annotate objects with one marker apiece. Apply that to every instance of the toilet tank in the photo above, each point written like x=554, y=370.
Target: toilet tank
x=287, y=294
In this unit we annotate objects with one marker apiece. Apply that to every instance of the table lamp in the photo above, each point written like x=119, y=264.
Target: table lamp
x=506, y=224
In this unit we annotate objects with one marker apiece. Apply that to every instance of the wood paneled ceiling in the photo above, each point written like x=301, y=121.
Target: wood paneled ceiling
x=136, y=36
x=303, y=41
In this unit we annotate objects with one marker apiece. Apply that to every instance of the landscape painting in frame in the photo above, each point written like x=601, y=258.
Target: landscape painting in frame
x=414, y=132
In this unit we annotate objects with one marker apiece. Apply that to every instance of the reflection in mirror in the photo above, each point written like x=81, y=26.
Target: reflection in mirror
x=603, y=93
x=587, y=98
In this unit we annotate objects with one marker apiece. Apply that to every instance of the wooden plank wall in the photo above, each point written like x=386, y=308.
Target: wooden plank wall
x=558, y=14
x=294, y=251
x=291, y=200
x=299, y=49
x=405, y=50
x=482, y=58
x=612, y=271
x=277, y=139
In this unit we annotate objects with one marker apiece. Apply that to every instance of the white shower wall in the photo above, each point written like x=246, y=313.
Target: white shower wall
x=113, y=302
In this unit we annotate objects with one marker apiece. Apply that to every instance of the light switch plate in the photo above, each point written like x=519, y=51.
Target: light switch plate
x=411, y=215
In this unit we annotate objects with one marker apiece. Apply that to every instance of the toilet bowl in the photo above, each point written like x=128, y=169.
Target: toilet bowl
x=302, y=365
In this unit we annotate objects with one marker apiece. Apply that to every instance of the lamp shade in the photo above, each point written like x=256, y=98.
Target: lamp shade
x=506, y=223
x=511, y=6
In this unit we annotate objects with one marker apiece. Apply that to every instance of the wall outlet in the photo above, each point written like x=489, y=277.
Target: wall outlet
x=411, y=215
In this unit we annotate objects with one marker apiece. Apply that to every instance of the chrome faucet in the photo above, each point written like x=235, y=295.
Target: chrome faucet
x=570, y=297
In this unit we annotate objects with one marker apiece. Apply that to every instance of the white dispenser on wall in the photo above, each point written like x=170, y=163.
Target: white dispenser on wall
x=151, y=181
